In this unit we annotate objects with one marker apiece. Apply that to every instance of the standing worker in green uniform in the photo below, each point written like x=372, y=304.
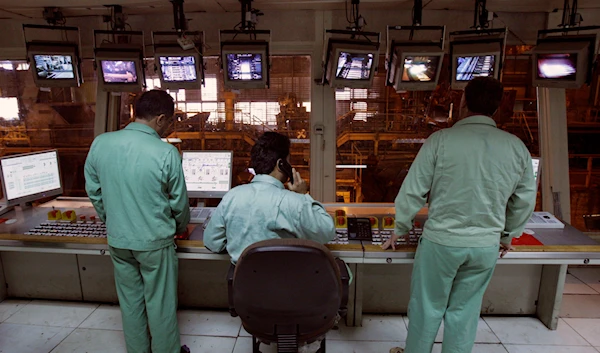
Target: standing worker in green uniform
x=481, y=189
x=136, y=184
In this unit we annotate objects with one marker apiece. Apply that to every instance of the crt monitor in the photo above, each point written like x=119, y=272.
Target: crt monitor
x=415, y=68
x=245, y=65
x=29, y=177
x=471, y=60
x=119, y=70
x=351, y=63
x=562, y=63
x=208, y=174
x=54, y=65
x=178, y=69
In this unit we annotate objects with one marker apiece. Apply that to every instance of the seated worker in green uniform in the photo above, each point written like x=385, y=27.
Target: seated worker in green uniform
x=264, y=209
x=135, y=182
x=482, y=191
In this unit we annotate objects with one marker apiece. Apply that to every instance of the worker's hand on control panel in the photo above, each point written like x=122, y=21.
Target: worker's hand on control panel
x=505, y=248
x=299, y=184
x=391, y=242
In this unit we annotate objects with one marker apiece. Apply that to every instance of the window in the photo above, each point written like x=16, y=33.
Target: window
x=9, y=108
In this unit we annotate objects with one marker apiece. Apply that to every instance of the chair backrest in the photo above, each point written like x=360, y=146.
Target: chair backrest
x=287, y=286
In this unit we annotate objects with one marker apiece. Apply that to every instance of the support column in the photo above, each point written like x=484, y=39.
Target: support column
x=322, y=121
x=554, y=150
x=108, y=109
x=229, y=110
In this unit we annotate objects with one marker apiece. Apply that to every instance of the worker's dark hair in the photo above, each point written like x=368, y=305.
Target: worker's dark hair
x=483, y=95
x=154, y=103
x=270, y=147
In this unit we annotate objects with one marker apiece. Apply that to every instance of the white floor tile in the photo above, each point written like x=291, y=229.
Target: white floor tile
x=484, y=333
x=547, y=349
x=244, y=345
x=106, y=317
x=208, y=323
x=203, y=344
x=92, y=341
x=589, y=275
x=478, y=348
x=588, y=328
x=581, y=306
x=9, y=307
x=50, y=313
x=30, y=339
x=573, y=285
x=361, y=347
x=374, y=328
x=526, y=330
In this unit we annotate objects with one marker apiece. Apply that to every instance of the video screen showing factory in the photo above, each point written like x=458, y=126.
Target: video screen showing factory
x=117, y=71
x=178, y=68
x=557, y=66
x=354, y=66
x=54, y=67
x=469, y=67
x=244, y=66
x=420, y=68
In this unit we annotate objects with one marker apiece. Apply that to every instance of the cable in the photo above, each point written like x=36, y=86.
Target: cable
x=430, y=1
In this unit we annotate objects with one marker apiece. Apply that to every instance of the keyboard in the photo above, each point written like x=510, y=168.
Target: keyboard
x=201, y=214
x=69, y=229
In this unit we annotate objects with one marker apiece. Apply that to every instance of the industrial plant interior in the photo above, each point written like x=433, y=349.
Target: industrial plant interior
x=357, y=87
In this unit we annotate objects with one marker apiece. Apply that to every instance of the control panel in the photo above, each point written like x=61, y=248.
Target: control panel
x=374, y=229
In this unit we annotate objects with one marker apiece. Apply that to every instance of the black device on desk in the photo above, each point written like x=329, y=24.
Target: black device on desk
x=359, y=229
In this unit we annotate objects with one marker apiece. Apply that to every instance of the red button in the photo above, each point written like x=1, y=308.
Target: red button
x=340, y=213
x=372, y=219
x=389, y=221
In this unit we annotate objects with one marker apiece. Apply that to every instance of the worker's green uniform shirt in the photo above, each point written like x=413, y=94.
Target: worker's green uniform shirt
x=136, y=184
x=480, y=184
x=264, y=210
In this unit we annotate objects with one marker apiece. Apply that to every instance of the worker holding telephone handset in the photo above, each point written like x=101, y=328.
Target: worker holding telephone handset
x=264, y=209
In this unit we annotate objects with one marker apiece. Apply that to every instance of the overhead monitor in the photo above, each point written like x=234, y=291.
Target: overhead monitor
x=178, y=69
x=245, y=64
x=473, y=60
x=208, y=174
x=351, y=63
x=120, y=70
x=54, y=65
x=563, y=62
x=414, y=68
x=29, y=177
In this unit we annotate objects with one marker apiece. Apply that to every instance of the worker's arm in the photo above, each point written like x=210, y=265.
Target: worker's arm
x=215, y=238
x=92, y=184
x=178, y=197
x=313, y=222
x=521, y=204
x=417, y=184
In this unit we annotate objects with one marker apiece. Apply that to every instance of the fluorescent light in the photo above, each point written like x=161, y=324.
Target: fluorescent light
x=351, y=166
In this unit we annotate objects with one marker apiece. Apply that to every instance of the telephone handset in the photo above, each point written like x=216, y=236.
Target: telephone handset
x=286, y=168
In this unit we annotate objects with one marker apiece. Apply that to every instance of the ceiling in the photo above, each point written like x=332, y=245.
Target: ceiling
x=19, y=9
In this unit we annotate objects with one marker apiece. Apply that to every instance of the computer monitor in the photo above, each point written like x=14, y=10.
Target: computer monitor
x=471, y=60
x=29, y=177
x=415, y=68
x=207, y=174
x=178, y=68
x=536, y=170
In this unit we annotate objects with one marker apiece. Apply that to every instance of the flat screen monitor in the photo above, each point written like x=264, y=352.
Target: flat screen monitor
x=120, y=70
x=245, y=64
x=557, y=66
x=179, y=69
x=351, y=63
x=208, y=174
x=29, y=177
x=354, y=66
x=54, y=65
x=420, y=68
x=469, y=67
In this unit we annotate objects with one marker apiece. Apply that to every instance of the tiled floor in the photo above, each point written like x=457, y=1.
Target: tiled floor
x=46, y=326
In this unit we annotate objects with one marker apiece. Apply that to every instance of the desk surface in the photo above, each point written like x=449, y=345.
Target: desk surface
x=556, y=243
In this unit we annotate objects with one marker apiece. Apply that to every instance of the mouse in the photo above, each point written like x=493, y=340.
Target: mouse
x=528, y=231
x=10, y=221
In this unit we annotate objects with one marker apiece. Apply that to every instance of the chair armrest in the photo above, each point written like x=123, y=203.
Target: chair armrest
x=230, y=274
x=345, y=277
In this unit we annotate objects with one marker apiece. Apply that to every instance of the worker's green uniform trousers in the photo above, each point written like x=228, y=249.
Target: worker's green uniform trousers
x=447, y=283
x=147, y=288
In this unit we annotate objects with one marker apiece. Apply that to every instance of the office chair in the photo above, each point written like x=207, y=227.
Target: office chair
x=288, y=291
